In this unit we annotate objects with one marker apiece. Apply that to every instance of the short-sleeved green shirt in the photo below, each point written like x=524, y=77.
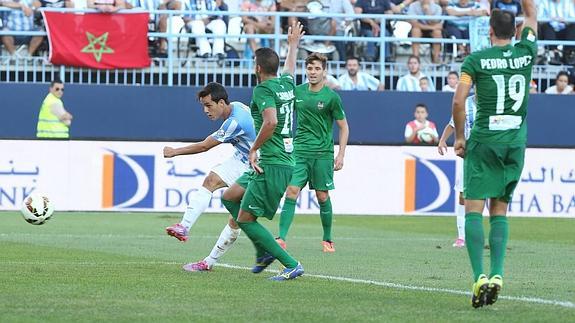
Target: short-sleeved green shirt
x=316, y=112
x=277, y=93
x=501, y=75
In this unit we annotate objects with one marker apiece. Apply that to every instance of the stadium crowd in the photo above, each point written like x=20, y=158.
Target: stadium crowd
x=25, y=16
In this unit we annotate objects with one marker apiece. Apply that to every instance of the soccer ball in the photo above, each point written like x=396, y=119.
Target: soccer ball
x=37, y=209
x=426, y=135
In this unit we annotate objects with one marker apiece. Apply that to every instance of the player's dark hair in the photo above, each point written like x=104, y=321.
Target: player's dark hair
x=216, y=90
x=503, y=23
x=317, y=57
x=562, y=73
x=268, y=60
x=56, y=81
x=453, y=73
x=421, y=105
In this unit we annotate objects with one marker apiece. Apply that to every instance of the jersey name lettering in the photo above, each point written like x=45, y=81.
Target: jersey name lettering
x=286, y=96
x=503, y=63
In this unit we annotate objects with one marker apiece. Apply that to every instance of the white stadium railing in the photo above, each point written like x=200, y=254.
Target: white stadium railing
x=180, y=70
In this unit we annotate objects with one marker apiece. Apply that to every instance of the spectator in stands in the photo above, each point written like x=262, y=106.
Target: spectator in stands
x=21, y=18
x=216, y=24
x=142, y=4
x=321, y=25
x=513, y=6
x=452, y=80
x=38, y=19
x=148, y=5
x=460, y=28
x=354, y=79
x=109, y=6
x=163, y=23
x=420, y=130
x=371, y=27
x=424, y=84
x=324, y=24
x=557, y=28
x=561, y=84
x=401, y=6
x=426, y=28
x=258, y=24
x=341, y=24
x=533, y=87
x=410, y=81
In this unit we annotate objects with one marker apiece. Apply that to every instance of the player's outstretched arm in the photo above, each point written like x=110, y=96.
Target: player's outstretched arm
x=194, y=148
x=343, y=137
x=295, y=33
x=458, y=112
x=530, y=13
x=442, y=146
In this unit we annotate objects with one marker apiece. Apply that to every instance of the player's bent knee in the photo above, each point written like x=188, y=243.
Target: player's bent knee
x=322, y=196
x=497, y=207
x=234, y=193
x=213, y=181
x=245, y=217
x=292, y=192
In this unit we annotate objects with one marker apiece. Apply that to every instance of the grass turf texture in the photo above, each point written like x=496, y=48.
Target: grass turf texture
x=122, y=267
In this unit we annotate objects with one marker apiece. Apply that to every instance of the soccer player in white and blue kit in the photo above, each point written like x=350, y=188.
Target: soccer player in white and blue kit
x=237, y=129
x=470, y=110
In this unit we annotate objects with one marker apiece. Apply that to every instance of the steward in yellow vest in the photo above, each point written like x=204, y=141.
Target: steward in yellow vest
x=53, y=120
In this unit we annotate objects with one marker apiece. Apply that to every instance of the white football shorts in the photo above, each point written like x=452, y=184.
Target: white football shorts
x=231, y=169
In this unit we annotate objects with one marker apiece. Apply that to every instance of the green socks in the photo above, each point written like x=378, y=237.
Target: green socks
x=287, y=215
x=262, y=238
x=232, y=207
x=498, y=236
x=326, y=214
x=474, y=240
x=286, y=218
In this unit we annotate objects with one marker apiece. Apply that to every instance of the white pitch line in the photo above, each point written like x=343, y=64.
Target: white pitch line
x=525, y=299
x=535, y=300
x=163, y=235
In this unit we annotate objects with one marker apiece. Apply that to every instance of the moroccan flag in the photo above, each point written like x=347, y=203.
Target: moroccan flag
x=98, y=40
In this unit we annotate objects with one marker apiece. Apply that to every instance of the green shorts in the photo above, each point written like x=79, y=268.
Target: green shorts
x=317, y=172
x=264, y=191
x=492, y=171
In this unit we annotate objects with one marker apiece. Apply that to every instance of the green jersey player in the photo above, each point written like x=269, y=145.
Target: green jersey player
x=258, y=193
x=495, y=151
x=317, y=107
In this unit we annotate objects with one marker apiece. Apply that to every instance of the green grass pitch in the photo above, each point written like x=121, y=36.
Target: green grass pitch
x=121, y=267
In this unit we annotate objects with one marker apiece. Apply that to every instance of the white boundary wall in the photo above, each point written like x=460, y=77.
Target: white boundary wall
x=375, y=179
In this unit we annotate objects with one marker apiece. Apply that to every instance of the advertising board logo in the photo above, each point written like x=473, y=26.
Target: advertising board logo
x=429, y=185
x=128, y=181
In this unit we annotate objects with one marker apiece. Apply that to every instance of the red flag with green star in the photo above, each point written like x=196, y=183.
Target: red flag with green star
x=98, y=40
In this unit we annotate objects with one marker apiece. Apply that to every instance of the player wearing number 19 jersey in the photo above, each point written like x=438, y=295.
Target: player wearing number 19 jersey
x=495, y=151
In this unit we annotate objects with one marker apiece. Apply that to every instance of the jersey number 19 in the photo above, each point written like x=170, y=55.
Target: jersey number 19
x=516, y=91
